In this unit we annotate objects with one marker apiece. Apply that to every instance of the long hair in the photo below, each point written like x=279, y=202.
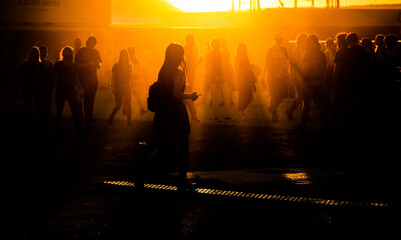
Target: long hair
x=301, y=38
x=312, y=42
x=242, y=54
x=121, y=60
x=34, y=54
x=174, y=58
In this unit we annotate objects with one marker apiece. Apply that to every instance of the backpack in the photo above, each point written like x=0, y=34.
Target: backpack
x=156, y=98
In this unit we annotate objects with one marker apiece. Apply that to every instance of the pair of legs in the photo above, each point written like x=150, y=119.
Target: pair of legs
x=136, y=91
x=122, y=96
x=278, y=92
x=172, y=151
x=298, y=100
x=319, y=97
x=218, y=91
x=245, y=96
x=76, y=110
x=32, y=97
x=90, y=89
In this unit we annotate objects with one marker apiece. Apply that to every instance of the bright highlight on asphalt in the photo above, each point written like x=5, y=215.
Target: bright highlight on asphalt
x=261, y=196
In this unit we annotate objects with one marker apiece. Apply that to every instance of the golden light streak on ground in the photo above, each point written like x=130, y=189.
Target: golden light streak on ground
x=258, y=196
x=299, y=178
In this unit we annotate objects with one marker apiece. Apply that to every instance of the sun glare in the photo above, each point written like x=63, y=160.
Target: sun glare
x=202, y=5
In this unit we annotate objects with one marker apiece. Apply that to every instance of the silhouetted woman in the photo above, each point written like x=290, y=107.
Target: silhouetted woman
x=121, y=86
x=246, y=78
x=68, y=89
x=172, y=124
x=216, y=71
x=276, y=72
x=314, y=85
x=32, y=86
x=136, y=76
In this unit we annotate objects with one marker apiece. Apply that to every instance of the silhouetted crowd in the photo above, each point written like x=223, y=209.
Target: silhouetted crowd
x=75, y=78
x=352, y=82
x=346, y=80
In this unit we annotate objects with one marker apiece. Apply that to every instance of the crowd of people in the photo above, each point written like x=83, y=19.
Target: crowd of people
x=342, y=76
x=345, y=78
x=75, y=78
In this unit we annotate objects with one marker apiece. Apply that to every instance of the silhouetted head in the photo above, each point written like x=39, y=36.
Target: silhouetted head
x=77, y=43
x=340, y=38
x=43, y=52
x=367, y=44
x=91, y=42
x=215, y=43
x=312, y=42
x=124, y=58
x=352, y=39
x=242, y=49
x=278, y=38
x=174, y=55
x=379, y=40
x=390, y=41
x=301, y=40
x=330, y=44
x=67, y=53
x=34, y=55
x=173, y=59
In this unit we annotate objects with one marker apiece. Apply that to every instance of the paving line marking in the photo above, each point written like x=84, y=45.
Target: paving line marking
x=263, y=196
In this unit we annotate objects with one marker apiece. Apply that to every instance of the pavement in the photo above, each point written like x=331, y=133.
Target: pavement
x=255, y=178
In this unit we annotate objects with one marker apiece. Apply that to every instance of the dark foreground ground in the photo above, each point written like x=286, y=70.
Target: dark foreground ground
x=56, y=188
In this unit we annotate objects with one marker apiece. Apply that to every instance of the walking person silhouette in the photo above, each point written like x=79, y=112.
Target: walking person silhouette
x=314, y=68
x=136, y=83
x=89, y=61
x=121, y=84
x=358, y=92
x=277, y=71
x=172, y=122
x=216, y=71
x=246, y=79
x=32, y=88
x=68, y=89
